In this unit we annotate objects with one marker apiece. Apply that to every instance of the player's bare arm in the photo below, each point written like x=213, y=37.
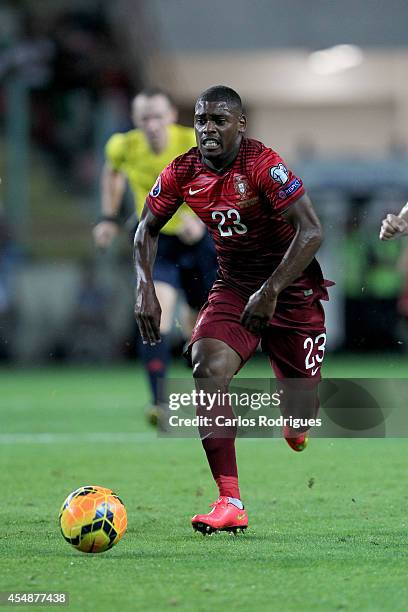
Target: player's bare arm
x=394, y=226
x=113, y=186
x=147, y=307
x=306, y=242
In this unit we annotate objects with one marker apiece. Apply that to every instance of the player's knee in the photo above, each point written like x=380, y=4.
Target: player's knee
x=209, y=367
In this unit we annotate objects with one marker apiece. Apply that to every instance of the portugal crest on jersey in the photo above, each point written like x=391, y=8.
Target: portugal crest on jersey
x=241, y=186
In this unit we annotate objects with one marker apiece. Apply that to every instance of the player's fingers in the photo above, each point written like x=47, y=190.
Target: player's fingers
x=386, y=234
x=254, y=324
x=402, y=225
x=143, y=333
x=250, y=322
x=246, y=320
x=148, y=330
x=252, y=327
x=392, y=228
x=152, y=330
x=386, y=224
x=142, y=328
x=394, y=222
x=388, y=227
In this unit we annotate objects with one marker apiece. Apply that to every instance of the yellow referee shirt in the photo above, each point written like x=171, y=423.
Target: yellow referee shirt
x=131, y=154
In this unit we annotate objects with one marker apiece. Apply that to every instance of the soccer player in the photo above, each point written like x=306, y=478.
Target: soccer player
x=185, y=258
x=394, y=226
x=269, y=284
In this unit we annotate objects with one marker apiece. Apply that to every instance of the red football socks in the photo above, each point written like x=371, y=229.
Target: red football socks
x=228, y=485
x=222, y=460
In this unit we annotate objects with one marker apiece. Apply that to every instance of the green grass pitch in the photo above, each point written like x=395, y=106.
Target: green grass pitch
x=328, y=527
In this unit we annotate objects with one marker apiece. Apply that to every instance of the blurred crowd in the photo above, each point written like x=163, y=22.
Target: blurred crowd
x=69, y=63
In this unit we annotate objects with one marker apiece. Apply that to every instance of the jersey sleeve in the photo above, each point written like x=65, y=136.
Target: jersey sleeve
x=276, y=181
x=115, y=150
x=164, y=197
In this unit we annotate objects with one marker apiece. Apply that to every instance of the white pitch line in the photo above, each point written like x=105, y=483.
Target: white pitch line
x=72, y=438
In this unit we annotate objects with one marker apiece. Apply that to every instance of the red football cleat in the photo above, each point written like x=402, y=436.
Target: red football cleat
x=224, y=516
x=298, y=443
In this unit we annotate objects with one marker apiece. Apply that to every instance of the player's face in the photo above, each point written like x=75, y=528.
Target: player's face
x=219, y=129
x=152, y=115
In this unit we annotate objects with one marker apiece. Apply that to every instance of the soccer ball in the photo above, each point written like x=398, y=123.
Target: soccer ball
x=93, y=519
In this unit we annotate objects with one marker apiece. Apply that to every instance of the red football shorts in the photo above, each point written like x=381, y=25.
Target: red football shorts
x=294, y=341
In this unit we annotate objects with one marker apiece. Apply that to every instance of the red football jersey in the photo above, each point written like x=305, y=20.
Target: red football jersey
x=242, y=208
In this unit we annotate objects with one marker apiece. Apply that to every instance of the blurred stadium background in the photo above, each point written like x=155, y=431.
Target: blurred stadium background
x=327, y=92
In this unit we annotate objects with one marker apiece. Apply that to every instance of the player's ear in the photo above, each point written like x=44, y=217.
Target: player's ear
x=242, y=124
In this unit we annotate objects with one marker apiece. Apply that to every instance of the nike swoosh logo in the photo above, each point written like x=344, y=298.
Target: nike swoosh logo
x=240, y=517
x=204, y=437
x=194, y=191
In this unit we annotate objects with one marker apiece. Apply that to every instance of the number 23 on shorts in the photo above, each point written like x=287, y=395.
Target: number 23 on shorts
x=314, y=348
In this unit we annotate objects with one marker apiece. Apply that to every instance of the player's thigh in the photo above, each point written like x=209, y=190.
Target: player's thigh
x=219, y=319
x=167, y=296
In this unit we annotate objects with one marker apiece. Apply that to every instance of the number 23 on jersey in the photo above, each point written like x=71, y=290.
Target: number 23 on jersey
x=229, y=222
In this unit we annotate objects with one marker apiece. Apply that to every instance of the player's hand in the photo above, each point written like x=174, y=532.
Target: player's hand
x=192, y=229
x=148, y=313
x=104, y=233
x=392, y=227
x=258, y=312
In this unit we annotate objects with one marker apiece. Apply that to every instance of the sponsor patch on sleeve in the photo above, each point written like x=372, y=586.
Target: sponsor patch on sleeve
x=288, y=191
x=279, y=173
x=156, y=188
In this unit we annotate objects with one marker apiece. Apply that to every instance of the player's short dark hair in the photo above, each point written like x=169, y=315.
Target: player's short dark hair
x=149, y=92
x=222, y=93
